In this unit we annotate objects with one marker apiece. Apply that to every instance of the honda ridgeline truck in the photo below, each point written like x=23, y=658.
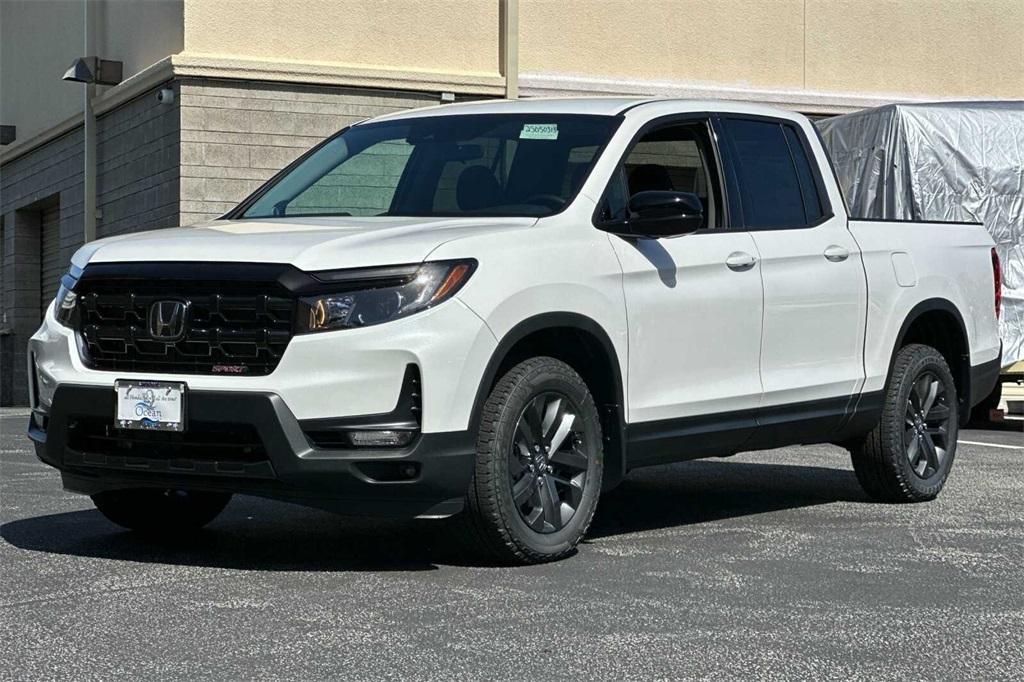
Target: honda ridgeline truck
x=496, y=310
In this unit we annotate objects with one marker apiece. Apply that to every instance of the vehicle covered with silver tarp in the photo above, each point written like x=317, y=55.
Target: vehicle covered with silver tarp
x=950, y=161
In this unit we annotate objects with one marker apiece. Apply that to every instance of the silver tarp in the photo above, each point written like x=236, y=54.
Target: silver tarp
x=944, y=161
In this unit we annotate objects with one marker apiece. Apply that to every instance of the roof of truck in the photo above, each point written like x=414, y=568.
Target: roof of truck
x=607, y=106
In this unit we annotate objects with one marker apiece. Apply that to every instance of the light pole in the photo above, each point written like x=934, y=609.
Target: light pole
x=91, y=71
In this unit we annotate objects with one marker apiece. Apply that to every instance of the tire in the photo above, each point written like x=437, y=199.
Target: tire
x=519, y=508
x=161, y=511
x=894, y=463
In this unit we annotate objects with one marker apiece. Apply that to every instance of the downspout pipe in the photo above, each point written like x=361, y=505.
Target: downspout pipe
x=510, y=46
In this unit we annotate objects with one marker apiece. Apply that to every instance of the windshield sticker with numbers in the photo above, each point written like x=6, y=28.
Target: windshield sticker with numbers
x=539, y=131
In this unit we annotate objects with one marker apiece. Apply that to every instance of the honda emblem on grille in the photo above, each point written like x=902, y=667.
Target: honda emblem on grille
x=167, y=320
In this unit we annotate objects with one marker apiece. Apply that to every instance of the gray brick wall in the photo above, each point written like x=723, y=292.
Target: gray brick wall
x=139, y=157
x=51, y=172
x=236, y=135
x=55, y=169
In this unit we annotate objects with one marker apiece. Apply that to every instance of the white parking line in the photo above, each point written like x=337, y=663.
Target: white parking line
x=992, y=445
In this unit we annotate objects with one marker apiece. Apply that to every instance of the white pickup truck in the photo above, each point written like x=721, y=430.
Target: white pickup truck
x=498, y=309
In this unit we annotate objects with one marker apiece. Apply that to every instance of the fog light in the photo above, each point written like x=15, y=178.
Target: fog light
x=380, y=439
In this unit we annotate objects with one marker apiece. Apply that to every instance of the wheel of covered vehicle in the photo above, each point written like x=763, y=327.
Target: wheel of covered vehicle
x=909, y=454
x=538, y=466
x=154, y=510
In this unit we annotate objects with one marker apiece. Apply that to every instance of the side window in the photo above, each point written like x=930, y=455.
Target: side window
x=674, y=158
x=777, y=189
x=768, y=184
x=808, y=187
x=362, y=185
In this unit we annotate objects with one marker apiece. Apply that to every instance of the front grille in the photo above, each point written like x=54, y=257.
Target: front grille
x=232, y=327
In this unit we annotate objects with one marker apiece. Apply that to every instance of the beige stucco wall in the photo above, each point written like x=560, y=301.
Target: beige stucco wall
x=454, y=36
x=915, y=48
x=942, y=48
x=40, y=38
x=724, y=41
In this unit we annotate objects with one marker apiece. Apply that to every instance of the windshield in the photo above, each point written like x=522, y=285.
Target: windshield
x=461, y=165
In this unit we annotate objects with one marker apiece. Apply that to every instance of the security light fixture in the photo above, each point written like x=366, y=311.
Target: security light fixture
x=7, y=134
x=165, y=96
x=94, y=70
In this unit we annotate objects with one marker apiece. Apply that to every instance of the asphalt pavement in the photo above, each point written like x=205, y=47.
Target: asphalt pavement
x=769, y=565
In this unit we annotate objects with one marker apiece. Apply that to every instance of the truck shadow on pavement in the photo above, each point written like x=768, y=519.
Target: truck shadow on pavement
x=260, y=535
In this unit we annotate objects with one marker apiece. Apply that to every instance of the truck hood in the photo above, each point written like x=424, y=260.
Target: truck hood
x=307, y=243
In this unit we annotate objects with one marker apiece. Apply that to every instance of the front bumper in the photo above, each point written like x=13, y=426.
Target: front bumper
x=280, y=462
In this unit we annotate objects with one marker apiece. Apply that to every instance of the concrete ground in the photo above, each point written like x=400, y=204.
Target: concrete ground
x=770, y=565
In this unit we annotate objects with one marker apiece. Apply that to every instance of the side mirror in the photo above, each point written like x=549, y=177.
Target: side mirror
x=658, y=214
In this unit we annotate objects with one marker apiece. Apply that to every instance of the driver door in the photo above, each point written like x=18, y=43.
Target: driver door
x=693, y=304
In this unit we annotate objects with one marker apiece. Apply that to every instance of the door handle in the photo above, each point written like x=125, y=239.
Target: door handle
x=739, y=261
x=836, y=254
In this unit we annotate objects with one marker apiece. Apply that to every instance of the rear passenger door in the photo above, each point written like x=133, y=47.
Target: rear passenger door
x=815, y=293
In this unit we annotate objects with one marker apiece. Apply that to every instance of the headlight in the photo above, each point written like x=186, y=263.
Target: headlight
x=374, y=295
x=66, y=301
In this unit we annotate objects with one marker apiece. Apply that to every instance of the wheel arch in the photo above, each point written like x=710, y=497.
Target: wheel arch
x=583, y=344
x=937, y=322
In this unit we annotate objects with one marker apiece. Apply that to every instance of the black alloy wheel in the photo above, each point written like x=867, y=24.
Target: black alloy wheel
x=926, y=435
x=548, y=462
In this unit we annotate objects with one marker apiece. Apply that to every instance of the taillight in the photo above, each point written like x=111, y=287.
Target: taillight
x=997, y=278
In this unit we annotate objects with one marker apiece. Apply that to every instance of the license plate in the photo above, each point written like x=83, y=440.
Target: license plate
x=150, y=405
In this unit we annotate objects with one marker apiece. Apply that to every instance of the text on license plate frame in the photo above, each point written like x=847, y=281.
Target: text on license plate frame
x=150, y=405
